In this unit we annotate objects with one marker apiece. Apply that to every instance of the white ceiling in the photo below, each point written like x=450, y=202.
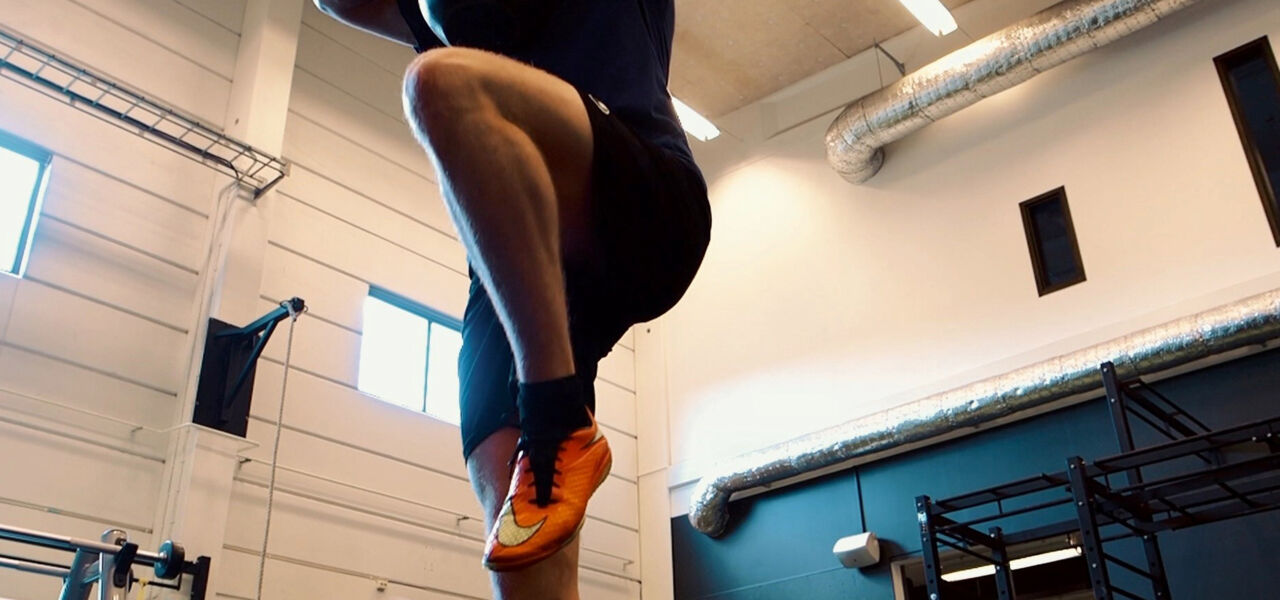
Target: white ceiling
x=729, y=53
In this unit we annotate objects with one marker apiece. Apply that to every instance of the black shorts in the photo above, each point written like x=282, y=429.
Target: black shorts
x=652, y=225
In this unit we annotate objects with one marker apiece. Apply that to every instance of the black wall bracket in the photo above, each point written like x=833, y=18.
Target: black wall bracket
x=231, y=353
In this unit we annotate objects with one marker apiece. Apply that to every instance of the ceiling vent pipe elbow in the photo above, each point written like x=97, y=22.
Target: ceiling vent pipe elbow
x=856, y=139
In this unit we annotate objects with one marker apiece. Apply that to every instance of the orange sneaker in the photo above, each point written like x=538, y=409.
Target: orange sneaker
x=547, y=502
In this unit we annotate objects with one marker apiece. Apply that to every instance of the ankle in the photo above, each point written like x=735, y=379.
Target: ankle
x=552, y=409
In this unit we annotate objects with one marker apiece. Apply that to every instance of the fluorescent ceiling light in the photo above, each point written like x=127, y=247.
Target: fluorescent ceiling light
x=932, y=14
x=697, y=125
x=1015, y=564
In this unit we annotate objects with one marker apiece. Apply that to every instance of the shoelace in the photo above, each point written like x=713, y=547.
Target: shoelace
x=544, y=455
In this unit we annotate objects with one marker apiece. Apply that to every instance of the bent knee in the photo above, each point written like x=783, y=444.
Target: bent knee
x=440, y=84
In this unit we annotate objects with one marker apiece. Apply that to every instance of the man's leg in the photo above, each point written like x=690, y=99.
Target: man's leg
x=555, y=578
x=513, y=146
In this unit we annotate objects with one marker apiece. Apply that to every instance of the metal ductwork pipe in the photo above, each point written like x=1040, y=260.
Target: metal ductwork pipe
x=1248, y=322
x=856, y=139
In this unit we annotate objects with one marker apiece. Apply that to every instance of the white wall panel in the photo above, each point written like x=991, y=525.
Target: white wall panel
x=298, y=450
x=382, y=546
x=357, y=542
x=80, y=34
x=379, y=219
x=73, y=259
x=329, y=294
x=615, y=406
x=350, y=250
x=49, y=470
x=609, y=547
x=318, y=347
x=330, y=106
x=60, y=324
x=313, y=147
x=619, y=368
x=290, y=580
x=105, y=205
x=67, y=384
x=595, y=585
x=624, y=454
x=228, y=14
x=345, y=414
x=372, y=82
x=616, y=501
x=180, y=29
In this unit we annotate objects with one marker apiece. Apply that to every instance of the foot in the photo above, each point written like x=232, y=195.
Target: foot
x=547, y=502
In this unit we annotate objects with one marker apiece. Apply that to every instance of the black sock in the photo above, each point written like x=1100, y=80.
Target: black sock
x=552, y=409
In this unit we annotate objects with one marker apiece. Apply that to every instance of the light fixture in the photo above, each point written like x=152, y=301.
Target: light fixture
x=695, y=124
x=932, y=14
x=857, y=551
x=1015, y=564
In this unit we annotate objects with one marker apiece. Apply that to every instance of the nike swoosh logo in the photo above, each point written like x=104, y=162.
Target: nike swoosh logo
x=511, y=533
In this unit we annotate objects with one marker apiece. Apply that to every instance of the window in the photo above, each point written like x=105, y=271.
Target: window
x=1252, y=83
x=409, y=355
x=1055, y=255
x=23, y=169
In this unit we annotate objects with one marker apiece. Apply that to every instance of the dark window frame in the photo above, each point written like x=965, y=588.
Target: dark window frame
x=1033, y=245
x=44, y=158
x=1224, y=63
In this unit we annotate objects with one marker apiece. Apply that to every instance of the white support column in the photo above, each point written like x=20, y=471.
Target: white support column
x=201, y=465
x=256, y=114
x=652, y=435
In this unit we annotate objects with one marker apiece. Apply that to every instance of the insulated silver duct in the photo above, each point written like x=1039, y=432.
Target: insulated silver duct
x=856, y=139
x=1251, y=321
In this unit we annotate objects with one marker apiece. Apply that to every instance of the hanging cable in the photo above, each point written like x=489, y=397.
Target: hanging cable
x=275, y=450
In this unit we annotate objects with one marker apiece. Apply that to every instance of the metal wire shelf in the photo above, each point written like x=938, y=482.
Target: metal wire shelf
x=34, y=66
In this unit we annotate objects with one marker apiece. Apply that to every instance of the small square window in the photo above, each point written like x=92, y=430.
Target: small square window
x=23, y=172
x=409, y=355
x=1051, y=237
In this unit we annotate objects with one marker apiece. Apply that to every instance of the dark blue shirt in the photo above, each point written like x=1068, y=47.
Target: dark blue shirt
x=619, y=51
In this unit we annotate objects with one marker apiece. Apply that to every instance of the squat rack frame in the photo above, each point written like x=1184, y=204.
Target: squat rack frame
x=1111, y=500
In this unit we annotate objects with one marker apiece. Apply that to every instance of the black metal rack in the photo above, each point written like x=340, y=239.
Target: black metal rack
x=1203, y=476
